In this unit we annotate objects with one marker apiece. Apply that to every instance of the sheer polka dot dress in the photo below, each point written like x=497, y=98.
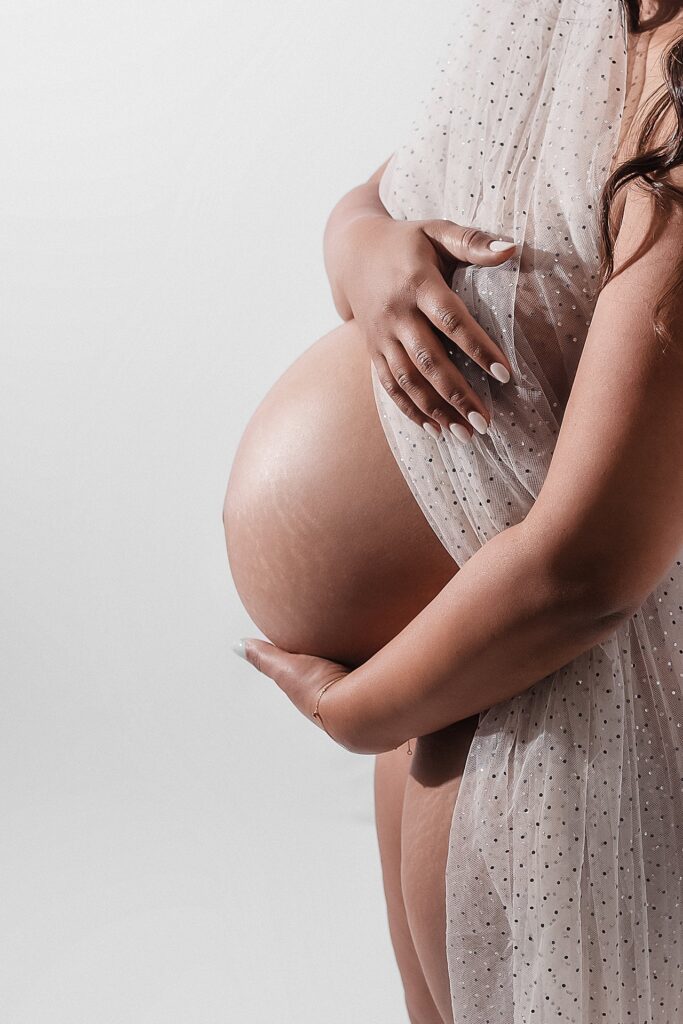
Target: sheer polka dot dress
x=564, y=879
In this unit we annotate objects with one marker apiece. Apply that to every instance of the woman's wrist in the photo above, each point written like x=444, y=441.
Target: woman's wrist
x=346, y=713
x=340, y=247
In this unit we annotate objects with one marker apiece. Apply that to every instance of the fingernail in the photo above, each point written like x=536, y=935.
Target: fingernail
x=431, y=429
x=460, y=431
x=500, y=245
x=238, y=648
x=478, y=421
x=500, y=372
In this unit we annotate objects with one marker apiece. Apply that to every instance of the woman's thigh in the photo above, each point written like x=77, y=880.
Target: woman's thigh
x=391, y=773
x=430, y=793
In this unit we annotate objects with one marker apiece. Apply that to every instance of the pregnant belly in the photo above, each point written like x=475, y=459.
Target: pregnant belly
x=328, y=549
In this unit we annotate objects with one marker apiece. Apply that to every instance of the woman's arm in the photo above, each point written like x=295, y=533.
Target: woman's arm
x=606, y=526
x=361, y=201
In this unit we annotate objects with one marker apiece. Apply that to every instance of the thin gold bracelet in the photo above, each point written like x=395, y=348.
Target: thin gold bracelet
x=316, y=713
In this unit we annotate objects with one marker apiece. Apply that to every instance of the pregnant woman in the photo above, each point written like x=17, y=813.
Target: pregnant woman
x=458, y=518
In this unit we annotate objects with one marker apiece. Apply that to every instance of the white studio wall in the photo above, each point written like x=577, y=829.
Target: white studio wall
x=178, y=844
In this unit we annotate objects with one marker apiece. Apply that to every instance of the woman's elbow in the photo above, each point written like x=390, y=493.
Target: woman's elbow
x=595, y=586
x=609, y=606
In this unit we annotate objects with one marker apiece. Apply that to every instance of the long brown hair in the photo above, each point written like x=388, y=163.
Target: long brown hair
x=651, y=163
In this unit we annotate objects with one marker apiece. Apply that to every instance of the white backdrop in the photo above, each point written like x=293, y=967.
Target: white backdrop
x=178, y=844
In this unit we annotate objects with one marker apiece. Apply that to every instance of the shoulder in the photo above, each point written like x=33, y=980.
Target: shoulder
x=651, y=54
x=660, y=50
x=651, y=214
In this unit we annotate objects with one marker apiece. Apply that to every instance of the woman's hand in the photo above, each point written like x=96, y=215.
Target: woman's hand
x=393, y=277
x=301, y=677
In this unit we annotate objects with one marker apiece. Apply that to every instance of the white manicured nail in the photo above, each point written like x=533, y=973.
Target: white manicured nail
x=431, y=429
x=500, y=372
x=500, y=245
x=460, y=431
x=478, y=421
x=238, y=648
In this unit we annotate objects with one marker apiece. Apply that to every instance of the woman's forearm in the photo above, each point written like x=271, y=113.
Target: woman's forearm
x=361, y=201
x=498, y=627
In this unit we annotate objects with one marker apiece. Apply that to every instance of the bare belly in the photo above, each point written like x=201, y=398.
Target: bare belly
x=329, y=550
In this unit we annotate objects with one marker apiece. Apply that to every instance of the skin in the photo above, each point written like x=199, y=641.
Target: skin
x=525, y=604
x=285, y=500
x=340, y=495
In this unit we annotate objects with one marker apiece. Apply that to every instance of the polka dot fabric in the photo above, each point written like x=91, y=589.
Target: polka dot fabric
x=564, y=879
